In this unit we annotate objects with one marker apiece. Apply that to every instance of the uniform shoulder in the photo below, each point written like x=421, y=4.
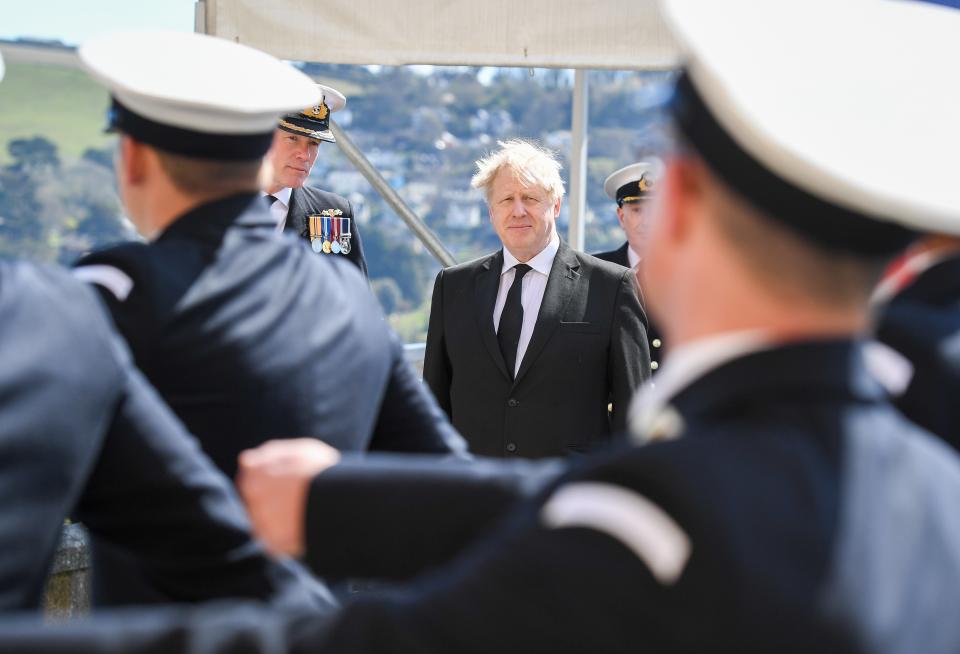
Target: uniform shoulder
x=117, y=268
x=320, y=199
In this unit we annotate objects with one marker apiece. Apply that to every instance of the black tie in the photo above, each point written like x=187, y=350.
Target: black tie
x=511, y=320
x=271, y=199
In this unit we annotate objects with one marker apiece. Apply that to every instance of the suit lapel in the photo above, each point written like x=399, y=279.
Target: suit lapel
x=561, y=284
x=294, y=213
x=486, y=285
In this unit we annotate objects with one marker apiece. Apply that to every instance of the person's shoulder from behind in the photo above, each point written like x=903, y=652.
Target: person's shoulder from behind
x=119, y=269
x=47, y=309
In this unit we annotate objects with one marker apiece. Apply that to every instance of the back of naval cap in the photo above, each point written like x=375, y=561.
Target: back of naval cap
x=193, y=94
x=838, y=118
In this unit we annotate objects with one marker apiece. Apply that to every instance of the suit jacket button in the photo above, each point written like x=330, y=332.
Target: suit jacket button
x=656, y=342
x=654, y=365
x=511, y=447
x=513, y=402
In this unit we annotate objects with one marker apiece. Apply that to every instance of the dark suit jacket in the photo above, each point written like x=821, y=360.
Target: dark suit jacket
x=82, y=434
x=249, y=336
x=588, y=349
x=654, y=337
x=307, y=200
x=817, y=517
x=922, y=322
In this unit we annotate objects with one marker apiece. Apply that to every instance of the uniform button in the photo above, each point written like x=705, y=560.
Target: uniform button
x=656, y=342
x=511, y=447
x=654, y=365
x=513, y=402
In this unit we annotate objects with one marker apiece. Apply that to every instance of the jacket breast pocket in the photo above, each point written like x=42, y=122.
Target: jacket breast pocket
x=579, y=327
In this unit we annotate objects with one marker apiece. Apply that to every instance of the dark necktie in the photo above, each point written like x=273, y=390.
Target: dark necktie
x=270, y=199
x=511, y=320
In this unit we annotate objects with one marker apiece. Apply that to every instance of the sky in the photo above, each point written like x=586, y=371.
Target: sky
x=74, y=21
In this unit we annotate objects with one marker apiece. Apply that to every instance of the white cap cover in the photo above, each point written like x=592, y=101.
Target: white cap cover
x=194, y=83
x=851, y=103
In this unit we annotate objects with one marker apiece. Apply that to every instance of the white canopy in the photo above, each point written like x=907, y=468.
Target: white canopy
x=615, y=34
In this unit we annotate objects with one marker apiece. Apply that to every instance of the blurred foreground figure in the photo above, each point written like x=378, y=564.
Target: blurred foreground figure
x=83, y=435
x=773, y=499
x=919, y=317
x=244, y=332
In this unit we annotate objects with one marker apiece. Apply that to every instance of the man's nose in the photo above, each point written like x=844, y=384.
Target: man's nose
x=519, y=210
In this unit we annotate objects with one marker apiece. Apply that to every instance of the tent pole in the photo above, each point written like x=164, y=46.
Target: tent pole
x=578, y=160
x=368, y=170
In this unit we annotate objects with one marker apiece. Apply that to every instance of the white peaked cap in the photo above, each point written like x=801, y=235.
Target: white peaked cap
x=334, y=99
x=632, y=173
x=854, y=102
x=197, y=82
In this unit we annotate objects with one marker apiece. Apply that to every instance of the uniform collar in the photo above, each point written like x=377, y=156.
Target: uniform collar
x=283, y=195
x=740, y=375
x=683, y=366
x=632, y=257
x=214, y=217
x=541, y=263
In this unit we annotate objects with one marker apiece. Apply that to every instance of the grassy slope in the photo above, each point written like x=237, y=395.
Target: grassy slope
x=61, y=103
x=64, y=105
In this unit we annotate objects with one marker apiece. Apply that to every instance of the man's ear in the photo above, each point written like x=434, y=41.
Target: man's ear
x=682, y=196
x=556, y=208
x=132, y=164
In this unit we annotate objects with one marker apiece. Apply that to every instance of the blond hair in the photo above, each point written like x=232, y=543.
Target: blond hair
x=531, y=165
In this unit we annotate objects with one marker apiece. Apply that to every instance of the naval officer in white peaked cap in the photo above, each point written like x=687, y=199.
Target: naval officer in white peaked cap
x=244, y=332
x=774, y=501
x=82, y=435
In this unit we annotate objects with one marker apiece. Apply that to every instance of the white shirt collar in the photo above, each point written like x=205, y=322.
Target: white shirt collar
x=283, y=195
x=541, y=263
x=632, y=257
x=683, y=366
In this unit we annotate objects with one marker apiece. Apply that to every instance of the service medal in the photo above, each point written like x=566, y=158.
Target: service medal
x=344, y=245
x=335, y=247
x=316, y=245
x=326, y=247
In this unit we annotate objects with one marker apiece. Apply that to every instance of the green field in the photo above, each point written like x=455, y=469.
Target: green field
x=60, y=103
x=64, y=105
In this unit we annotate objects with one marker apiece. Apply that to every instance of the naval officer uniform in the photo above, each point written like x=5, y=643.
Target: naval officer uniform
x=632, y=188
x=323, y=219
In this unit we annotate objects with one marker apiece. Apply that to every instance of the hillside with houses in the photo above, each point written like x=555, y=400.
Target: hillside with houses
x=422, y=128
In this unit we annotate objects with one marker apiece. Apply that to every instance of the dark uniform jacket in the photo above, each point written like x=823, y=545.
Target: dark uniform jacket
x=796, y=511
x=306, y=201
x=588, y=349
x=250, y=336
x=922, y=322
x=82, y=434
x=654, y=337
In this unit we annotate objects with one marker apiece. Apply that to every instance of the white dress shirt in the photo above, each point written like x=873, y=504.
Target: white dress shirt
x=533, y=284
x=281, y=207
x=632, y=257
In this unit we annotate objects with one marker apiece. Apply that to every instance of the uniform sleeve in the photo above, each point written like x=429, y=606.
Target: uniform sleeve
x=410, y=419
x=628, y=365
x=153, y=494
x=436, y=365
x=392, y=517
